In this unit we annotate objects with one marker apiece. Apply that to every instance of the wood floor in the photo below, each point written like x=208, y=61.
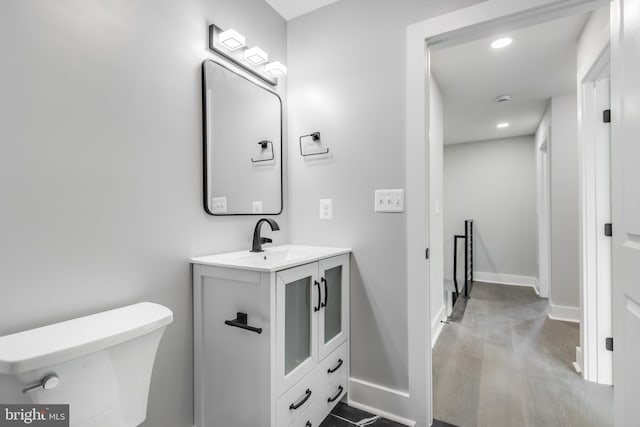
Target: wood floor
x=506, y=364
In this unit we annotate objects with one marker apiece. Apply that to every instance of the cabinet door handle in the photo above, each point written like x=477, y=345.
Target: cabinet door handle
x=315, y=282
x=334, y=398
x=335, y=368
x=326, y=291
x=294, y=406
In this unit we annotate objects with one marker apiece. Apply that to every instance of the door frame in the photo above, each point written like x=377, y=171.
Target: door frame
x=592, y=359
x=543, y=198
x=482, y=19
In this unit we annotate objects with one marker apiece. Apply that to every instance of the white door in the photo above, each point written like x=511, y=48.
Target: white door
x=625, y=156
x=332, y=323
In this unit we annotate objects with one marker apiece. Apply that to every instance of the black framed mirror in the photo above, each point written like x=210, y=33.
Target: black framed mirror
x=242, y=147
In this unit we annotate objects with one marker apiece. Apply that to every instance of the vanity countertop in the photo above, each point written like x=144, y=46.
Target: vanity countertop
x=272, y=258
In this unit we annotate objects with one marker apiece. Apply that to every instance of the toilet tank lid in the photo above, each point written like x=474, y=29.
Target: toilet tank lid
x=51, y=344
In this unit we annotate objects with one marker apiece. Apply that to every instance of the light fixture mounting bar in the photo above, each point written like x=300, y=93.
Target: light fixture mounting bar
x=214, y=45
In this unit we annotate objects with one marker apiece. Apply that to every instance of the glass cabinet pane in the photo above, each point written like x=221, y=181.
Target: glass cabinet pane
x=333, y=309
x=297, y=328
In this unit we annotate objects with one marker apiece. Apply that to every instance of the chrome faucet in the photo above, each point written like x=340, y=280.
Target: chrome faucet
x=257, y=240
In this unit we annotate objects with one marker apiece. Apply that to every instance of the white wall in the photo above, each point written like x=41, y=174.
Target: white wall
x=494, y=183
x=594, y=37
x=561, y=119
x=347, y=80
x=436, y=244
x=564, y=202
x=101, y=165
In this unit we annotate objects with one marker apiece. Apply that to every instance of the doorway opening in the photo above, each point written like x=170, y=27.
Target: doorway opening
x=440, y=34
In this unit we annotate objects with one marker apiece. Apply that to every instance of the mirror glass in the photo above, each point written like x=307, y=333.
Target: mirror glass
x=242, y=144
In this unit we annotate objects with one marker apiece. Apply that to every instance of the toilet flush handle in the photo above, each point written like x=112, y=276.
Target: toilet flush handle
x=47, y=383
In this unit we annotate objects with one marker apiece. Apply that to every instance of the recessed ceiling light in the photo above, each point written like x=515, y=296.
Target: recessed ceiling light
x=500, y=43
x=502, y=125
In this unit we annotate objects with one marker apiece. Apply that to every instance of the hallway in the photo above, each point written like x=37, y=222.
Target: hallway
x=506, y=364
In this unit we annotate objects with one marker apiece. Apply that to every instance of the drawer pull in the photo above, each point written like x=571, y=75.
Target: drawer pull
x=294, y=406
x=335, y=368
x=241, y=322
x=334, y=398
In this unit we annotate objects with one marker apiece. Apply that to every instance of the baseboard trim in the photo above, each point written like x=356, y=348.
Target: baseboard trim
x=536, y=286
x=386, y=402
x=505, y=279
x=577, y=365
x=564, y=313
x=437, y=325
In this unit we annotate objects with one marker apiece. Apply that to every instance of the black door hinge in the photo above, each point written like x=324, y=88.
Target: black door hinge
x=606, y=116
x=426, y=254
x=608, y=343
x=608, y=229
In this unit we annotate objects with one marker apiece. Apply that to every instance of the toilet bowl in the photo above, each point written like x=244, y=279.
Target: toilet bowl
x=100, y=365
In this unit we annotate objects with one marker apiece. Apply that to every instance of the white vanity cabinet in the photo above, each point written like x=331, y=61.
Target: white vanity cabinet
x=270, y=338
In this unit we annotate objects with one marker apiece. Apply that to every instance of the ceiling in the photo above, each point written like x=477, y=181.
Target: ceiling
x=539, y=64
x=290, y=9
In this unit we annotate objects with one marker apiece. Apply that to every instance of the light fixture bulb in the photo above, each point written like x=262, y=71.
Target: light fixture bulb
x=502, y=42
x=231, y=39
x=256, y=56
x=502, y=125
x=275, y=68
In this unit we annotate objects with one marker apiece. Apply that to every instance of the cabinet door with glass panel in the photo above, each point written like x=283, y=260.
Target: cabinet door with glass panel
x=311, y=309
x=297, y=306
x=333, y=314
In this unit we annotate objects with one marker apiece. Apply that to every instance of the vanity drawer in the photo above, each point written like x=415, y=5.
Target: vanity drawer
x=334, y=387
x=313, y=416
x=332, y=394
x=334, y=365
x=299, y=398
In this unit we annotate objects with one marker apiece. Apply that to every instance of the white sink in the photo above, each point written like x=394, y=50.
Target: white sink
x=271, y=259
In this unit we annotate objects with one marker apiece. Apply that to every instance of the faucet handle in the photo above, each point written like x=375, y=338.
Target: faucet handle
x=265, y=240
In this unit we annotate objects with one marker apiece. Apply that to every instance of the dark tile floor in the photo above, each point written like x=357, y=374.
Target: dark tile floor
x=343, y=412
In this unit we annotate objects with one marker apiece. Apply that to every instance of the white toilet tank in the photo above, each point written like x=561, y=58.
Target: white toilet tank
x=99, y=364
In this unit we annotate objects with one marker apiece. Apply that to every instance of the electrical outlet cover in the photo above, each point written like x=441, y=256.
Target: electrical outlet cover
x=256, y=207
x=218, y=205
x=326, y=209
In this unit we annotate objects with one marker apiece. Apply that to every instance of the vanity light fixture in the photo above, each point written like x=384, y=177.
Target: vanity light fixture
x=231, y=46
x=276, y=69
x=502, y=42
x=231, y=39
x=256, y=56
x=503, y=125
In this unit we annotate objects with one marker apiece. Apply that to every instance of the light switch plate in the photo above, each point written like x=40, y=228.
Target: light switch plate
x=326, y=209
x=218, y=205
x=389, y=201
x=256, y=207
